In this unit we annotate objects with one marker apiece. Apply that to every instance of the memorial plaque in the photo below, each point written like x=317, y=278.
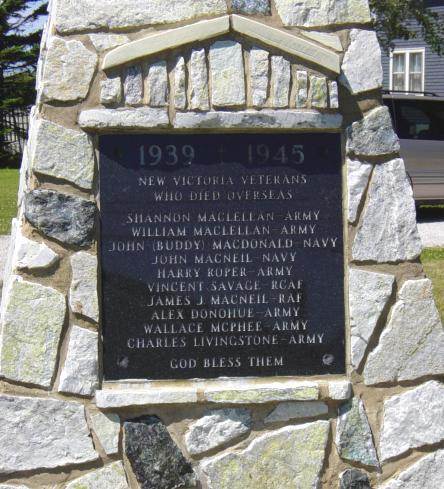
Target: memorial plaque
x=221, y=255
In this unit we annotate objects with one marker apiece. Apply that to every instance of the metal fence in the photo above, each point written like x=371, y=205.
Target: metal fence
x=14, y=130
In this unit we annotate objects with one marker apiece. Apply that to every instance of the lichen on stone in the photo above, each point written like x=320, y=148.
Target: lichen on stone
x=293, y=455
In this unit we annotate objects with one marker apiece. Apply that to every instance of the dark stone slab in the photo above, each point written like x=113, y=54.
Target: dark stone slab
x=155, y=459
x=66, y=218
x=354, y=438
x=354, y=479
x=261, y=7
x=221, y=255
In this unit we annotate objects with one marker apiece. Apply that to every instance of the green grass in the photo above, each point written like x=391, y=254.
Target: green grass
x=433, y=262
x=9, y=180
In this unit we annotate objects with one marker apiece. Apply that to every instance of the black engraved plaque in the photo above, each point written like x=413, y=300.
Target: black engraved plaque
x=221, y=255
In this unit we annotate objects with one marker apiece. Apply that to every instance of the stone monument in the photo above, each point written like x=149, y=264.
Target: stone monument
x=214, y=279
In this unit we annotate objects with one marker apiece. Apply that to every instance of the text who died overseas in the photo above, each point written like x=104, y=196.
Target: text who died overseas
x=221, y=255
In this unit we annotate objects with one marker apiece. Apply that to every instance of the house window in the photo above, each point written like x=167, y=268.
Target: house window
x=407, y=71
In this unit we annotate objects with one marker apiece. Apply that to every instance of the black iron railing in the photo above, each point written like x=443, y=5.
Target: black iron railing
x=13, y=130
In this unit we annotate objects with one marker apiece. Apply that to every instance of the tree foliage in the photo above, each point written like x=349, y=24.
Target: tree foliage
x=19, y=49
x=408, y=19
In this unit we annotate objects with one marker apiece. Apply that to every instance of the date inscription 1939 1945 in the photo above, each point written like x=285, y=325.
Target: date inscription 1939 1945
x=221, y=255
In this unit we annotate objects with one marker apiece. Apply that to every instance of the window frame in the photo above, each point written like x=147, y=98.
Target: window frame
x=407, y=52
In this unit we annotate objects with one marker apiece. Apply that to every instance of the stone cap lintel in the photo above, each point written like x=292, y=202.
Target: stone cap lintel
x=147, y=118
x=169, y=39
x=124, y=394
x=287, y=42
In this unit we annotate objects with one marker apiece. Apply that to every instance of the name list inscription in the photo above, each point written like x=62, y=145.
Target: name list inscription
x=221, y=255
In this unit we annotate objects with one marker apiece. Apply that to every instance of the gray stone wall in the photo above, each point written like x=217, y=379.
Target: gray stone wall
x=126, y=65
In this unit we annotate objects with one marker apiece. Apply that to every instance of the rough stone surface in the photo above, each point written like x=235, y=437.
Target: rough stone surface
x=155, y=459
x=354, y=479
x=63, y=153
x=83, y=15
x=64, y=217
x=259, y=72
x=388, y=231
x=216, y=429
x=133, y=85
x=294, y=454
x=354, y=439
x=25, y=169
x=199, y=98
x=103, y=42
x=42, y=434
x=280, y=81
x=80, y=374
x=251, y=7
x=120, y=119
x=239, y=394
x=7, y=261
x=32, y=256
x=358, y=176
x=340, y=390
x=314, y=13
x=111, y=91
x=157, y=81
x=373, y=135
x=227, y=74
x=334, y=94
x=32, y=323
x=107, y=428
x=368, y=296
x=110, y=477
x=318, y=93
x=4, y=247
x=83, y=298
x=68, y=71
x=427, y=473
x=412, y=419
x=7, y=486
x=362, y=73
x=180, y=84
x=415, y=332
x=301, y=89
x=287, y=411
x=288, y=119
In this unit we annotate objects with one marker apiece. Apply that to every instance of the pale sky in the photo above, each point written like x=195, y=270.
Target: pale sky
x=39, y=23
